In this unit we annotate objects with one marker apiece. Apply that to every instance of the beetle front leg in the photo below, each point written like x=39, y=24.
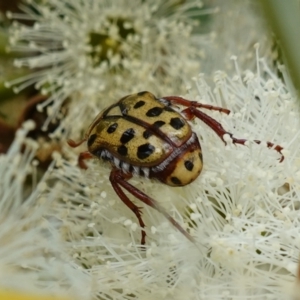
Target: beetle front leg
x=83, y=155
x=74, y=144
x=120, y=178
x=191, y=112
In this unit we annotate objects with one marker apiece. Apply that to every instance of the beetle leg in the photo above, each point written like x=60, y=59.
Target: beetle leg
x=188, y=103
x=74, y=144
x=115, y=179
x=82, y=157
x=119, y=176
x=191, y=112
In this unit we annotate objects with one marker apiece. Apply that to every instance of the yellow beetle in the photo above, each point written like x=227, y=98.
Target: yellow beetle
x=148, y=136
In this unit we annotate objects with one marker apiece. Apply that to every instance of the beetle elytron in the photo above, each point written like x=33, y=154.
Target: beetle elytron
x=147, y=136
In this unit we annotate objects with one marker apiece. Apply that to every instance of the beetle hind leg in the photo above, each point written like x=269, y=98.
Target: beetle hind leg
x=118, y=178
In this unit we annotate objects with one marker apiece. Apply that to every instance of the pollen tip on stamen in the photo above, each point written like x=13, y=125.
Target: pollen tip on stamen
x=29, y=125
x=7, y=84
x=9, y=14
x=39, y=108
x=16, y=90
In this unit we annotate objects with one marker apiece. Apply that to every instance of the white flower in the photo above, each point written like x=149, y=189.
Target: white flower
x=243, y=210
x=99, y=50
x=31, y=254
x=237, y=27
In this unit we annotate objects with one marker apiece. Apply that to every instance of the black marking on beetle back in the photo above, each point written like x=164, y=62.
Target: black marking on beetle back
x=122, y=150
x=139, y=104
x=91, y=140
x=189, y=165
x=147, y=134
x=175, y=180
x=177, y=123
x=154, y=112
x=158, y=124
x=112, y=128
x=127, y=136
x=145, y=151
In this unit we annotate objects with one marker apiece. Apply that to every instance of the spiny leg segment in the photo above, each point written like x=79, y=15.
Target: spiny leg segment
x=117, y=177
x=191, y=111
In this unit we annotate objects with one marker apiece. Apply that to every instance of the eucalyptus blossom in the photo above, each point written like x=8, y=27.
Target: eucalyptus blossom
x=243, y=210
x=32, y=257
x=92, y=52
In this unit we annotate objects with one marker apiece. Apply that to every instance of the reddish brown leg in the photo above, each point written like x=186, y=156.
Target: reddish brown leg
x=190, y=112
x=74, y=144
x=188, y=103
x=114, y=179
x=121, y=179
x=83, y=155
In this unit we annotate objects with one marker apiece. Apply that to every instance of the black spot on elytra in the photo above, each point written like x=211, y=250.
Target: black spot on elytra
x=91, y=140
x=147, y=134
x=189, y=165
x=175, y=180
x=112, y=128
x=154, y=112
x=177, y=123
x=122, y=150
x=145, y=151
x=142, y=93
x=139, y=104
x=127, y=135
x=158, y=124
